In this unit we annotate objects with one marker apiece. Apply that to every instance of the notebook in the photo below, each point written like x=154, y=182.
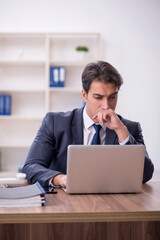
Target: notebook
x=105, y=168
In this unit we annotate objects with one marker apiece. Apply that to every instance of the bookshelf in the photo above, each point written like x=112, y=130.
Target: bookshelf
x=25, y=61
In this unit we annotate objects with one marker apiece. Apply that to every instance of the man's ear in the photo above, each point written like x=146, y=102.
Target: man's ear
x=84, y=95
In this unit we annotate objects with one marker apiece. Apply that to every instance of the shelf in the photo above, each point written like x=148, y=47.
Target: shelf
x=22, y=77
x=74, y=35
x=22, y=47
x=65, y=89
x=23, y=118
x=63, y=48
x=71, y=63
x=22, y=90
x=22, y=62
x=15, y=145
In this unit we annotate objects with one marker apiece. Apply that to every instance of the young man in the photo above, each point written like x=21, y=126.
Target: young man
x=47, y=157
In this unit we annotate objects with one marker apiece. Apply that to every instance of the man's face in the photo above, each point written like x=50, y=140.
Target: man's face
x=100, y=96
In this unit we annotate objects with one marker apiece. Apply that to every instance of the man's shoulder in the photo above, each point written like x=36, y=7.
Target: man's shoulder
x=61, y=121
x=129, y=123
x=63, y=116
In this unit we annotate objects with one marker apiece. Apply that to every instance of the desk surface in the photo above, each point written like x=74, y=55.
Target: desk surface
x=62, y=207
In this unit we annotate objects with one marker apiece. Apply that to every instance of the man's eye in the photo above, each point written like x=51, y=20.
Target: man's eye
x=113, y=97
x=98, y=97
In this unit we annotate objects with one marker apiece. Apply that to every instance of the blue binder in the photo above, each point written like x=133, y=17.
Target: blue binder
x=2, y=97
x=54, y=76
x=7, y=105
x=62, y=74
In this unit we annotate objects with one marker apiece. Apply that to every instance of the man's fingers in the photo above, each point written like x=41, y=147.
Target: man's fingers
x=101, y=119
x=94, y=117
x=60, y=180
x=103, y=116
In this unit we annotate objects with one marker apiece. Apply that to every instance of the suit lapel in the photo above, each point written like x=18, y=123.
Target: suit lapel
x=111, y=137
x=77, y=126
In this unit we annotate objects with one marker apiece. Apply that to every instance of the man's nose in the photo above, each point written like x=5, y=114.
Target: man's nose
x=105, y=104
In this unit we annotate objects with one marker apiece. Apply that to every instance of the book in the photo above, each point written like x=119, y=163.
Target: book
x=26, y=196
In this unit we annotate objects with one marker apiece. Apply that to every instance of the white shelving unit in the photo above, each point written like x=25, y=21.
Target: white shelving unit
x=25, y=60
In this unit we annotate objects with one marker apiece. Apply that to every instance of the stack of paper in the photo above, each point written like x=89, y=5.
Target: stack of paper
x=26, y=196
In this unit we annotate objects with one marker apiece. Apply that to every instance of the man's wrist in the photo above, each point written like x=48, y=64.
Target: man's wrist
x=124, y=142
x=122, y=133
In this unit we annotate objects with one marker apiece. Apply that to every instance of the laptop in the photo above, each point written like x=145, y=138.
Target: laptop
x=105, y=169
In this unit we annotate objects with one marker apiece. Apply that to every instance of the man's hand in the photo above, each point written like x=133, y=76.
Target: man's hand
x=112, y=121
x=60, y=180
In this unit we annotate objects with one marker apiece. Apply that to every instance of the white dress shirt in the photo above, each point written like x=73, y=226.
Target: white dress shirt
x=89, y=130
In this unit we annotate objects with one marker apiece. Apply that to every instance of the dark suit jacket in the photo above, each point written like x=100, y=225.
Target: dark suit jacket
x=47, y=156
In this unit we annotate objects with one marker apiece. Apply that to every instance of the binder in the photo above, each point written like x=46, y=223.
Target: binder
x=7, y=105
x=0, y=162
x=57, y=76
x=54, y=76
x=61, y=76
x=2, y=97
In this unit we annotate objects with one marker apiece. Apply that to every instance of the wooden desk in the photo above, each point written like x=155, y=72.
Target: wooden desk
x=103, y=216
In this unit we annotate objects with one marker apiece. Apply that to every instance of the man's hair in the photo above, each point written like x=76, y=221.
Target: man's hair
x=100, y=71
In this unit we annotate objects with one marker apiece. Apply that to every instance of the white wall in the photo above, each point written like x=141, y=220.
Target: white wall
x=130, y=32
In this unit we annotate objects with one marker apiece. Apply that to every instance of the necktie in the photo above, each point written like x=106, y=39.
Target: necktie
x=96, y=138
